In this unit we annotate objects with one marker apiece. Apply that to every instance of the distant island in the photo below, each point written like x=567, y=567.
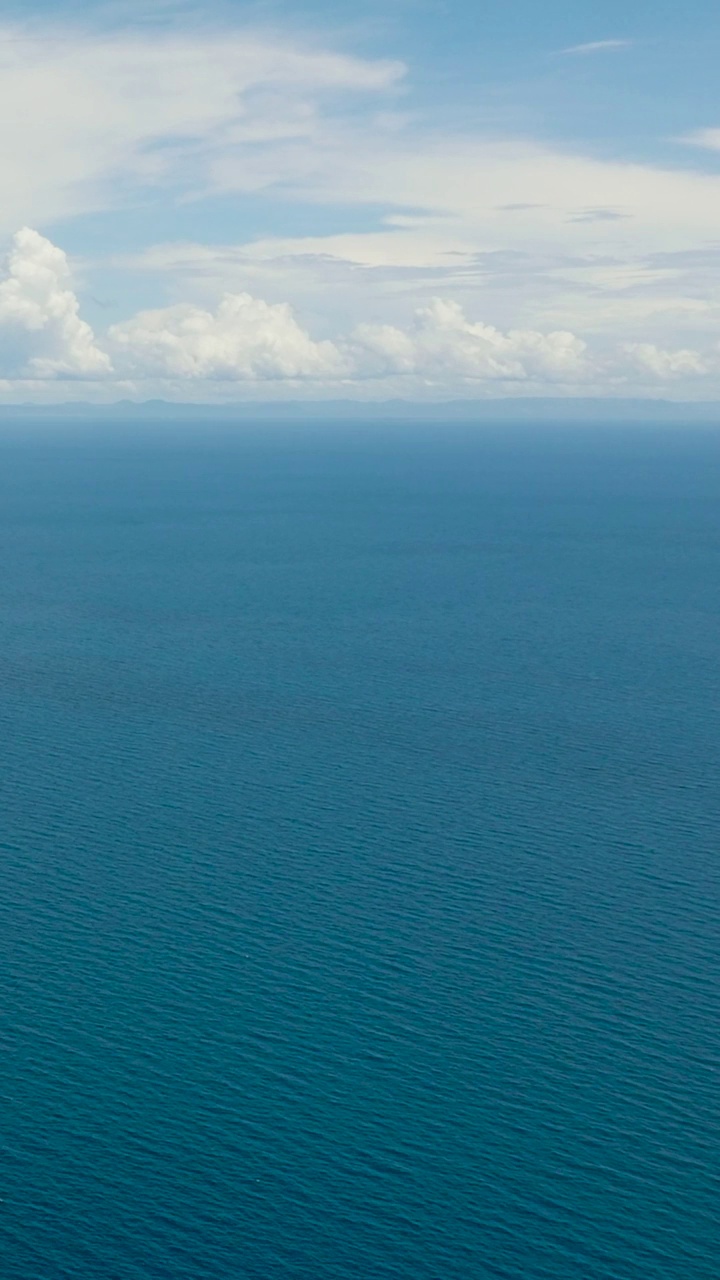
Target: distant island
x=506, y=410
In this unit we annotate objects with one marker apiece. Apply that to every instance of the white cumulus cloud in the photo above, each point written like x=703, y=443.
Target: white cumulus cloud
x=664, y=363
x=245, y=338
x=41, y=332
x=442, y=342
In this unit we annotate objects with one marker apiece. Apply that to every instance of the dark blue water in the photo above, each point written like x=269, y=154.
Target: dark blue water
x=359, y=868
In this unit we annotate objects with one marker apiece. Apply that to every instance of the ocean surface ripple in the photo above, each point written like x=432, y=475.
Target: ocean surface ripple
x=359, y=855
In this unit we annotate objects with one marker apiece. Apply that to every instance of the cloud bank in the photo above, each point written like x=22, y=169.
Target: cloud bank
x=244, y=339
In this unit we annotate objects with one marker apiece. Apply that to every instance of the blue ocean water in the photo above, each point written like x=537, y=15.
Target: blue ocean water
x=359, y=854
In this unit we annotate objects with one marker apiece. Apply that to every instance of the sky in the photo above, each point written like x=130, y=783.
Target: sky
x=415, y=199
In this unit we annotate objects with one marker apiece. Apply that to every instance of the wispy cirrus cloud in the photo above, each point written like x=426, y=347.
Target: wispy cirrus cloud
x=136, y=109
x=706, y=139
x=596, y=46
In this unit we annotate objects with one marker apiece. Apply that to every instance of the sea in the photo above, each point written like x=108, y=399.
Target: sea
x=359, y=852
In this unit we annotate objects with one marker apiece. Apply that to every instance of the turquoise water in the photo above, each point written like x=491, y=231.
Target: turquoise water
x=359, y=868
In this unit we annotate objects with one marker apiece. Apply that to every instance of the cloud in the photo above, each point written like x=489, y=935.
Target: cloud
x=40, y=327
x=577, y=267
x=249, y=339
x=608, y=290
x=245, y=338
x=167, y=114
x=458, y=188
x=215, y=112
x=141, y=108
x=442, y=343
x=665, y=364
x=597, y=46
x=598, y=215
x=707, y=139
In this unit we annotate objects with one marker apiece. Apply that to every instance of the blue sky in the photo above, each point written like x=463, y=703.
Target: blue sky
x=420, y=199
